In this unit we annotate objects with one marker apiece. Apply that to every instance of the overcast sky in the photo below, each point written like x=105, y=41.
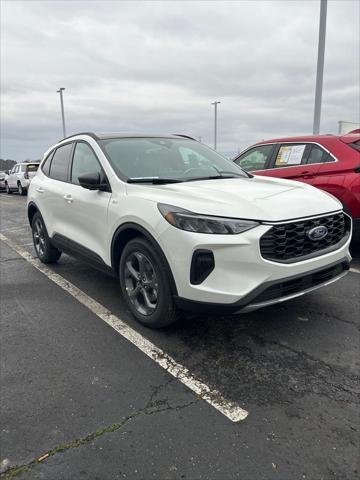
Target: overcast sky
x=156, y=66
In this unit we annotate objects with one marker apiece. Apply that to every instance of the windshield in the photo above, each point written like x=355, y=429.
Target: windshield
x=144, y=159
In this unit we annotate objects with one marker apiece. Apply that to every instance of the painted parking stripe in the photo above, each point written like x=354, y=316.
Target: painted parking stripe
x=354, y=270
x=228, y=408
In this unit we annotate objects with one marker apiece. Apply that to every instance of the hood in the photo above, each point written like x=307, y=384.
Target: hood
x=257, y=198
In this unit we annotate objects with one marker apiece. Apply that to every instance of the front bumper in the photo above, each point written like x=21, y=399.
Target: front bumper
x=271, y=293
x=240, y=272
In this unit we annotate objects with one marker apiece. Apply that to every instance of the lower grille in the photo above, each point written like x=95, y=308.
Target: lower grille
x=290, y=242
x=297, y=285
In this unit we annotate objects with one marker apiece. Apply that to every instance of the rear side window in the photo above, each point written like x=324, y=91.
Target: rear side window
x=290, y=155
x=318, y=155
x=255, y=158
x=84, y=161
x=60, y=163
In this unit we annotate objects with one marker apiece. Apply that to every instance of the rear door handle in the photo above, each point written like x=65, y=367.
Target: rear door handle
x=68, y=198
x=307, y=174
x=40, y=190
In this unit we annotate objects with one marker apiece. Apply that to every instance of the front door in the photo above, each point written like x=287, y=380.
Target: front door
x=87, y=209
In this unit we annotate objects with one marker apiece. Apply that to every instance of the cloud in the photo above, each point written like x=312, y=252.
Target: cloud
x=156, y=66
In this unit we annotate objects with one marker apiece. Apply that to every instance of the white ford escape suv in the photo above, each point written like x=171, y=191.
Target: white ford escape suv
x=182, y=226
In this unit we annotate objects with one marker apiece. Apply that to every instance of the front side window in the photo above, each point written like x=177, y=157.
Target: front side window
x=290, y=155
x=84, y=161
x=167, y=158
x=255, y=159
x=60, y=163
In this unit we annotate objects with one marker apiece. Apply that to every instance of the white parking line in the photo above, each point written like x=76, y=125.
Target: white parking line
x=228, y=408
x=18, y=227
x=354, y=270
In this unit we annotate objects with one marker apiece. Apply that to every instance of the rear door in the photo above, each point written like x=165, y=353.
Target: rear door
x=12, y=177
x=290, y=162
x=51, y=193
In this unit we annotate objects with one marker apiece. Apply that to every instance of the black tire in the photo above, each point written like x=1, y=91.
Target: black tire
x=8, y=191
x=154, y=286
x=46, y=252
x=21, y=190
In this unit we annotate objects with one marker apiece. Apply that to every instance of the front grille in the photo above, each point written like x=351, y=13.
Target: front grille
x=289, y=242
x=296, y=285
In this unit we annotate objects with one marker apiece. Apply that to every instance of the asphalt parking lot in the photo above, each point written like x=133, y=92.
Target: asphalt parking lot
x=79, y=400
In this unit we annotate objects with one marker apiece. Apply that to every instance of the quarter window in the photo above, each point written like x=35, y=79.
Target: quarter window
x=84, y=161
x=256, y=158
x=46, y=165
x=318, y=155
x=60, y=163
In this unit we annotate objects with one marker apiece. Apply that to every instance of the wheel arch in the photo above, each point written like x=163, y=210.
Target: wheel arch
x=127, y=232
x=31, y=210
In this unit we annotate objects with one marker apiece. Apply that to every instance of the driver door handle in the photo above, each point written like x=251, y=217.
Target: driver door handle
x=68, y=198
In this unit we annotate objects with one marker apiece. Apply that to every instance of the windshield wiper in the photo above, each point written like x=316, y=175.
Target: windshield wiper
x=215, y=177
x=153, y=180
x=235, y=174
x=243, y=174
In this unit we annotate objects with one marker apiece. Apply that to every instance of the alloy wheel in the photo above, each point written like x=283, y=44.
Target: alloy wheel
x=39, y=237
x=141, y=283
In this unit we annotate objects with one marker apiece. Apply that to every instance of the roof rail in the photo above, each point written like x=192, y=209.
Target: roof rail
x=185, y=136
x=91, y=134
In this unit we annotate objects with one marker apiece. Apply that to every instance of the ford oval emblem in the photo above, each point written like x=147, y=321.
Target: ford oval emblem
x=317, y=233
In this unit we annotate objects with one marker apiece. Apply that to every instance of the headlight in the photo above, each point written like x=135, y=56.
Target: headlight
x=193, y=222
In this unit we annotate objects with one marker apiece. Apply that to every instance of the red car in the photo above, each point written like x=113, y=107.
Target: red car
x=329, y=162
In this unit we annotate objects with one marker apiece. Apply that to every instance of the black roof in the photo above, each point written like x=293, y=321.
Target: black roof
x=108, y=135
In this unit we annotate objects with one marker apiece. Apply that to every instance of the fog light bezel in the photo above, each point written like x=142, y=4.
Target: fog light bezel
x=196, y=277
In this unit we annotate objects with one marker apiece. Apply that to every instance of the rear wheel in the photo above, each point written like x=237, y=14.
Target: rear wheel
x=145, y=284
x=8, y=191
x=21, y=190
x=46, y=252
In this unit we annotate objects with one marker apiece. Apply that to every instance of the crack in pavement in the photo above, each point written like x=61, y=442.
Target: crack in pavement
x=262, y=341
x=147, y=410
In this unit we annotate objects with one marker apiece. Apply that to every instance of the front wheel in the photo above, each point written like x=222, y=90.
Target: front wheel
x=145, y=284
x=8, y=191
x=46, y=252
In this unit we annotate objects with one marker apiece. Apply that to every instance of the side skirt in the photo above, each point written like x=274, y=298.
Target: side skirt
x=82, y=253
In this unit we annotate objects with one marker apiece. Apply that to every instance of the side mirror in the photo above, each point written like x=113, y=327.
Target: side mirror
x=94, y=181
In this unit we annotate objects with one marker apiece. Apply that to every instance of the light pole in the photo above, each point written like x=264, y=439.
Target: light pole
x=215, y=123
x=320, y=67
x=61, y=89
